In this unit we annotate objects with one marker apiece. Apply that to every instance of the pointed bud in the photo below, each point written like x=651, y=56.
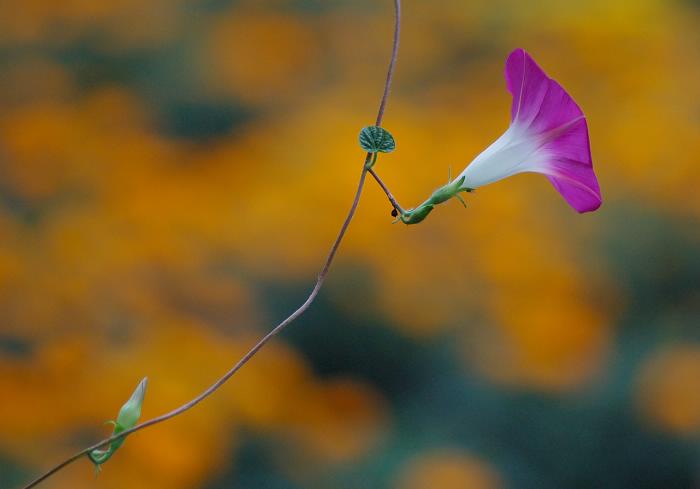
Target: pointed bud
x=130, y=412
x=129, y=415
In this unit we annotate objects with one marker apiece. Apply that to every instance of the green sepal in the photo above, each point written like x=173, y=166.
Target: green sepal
x=100, y=456
x=414, y=216
x=441, y=195
x=446, y=192
x=375, y=139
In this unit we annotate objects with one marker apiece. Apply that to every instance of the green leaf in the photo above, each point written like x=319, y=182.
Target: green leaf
x=375, y=139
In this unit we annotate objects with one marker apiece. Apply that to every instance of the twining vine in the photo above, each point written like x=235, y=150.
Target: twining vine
x=95, y=452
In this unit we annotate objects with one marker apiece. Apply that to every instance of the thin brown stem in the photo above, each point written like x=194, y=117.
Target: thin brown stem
x=215, y=386
x=385, y=98
x=298, y=312
x=386, y=190
x=392, y=62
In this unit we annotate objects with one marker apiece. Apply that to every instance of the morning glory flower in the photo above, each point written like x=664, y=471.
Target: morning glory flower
x=548, y=134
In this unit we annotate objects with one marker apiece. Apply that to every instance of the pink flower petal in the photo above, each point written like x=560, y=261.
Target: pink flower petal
x=570, y=168
x=542, y=108
x=527, y=83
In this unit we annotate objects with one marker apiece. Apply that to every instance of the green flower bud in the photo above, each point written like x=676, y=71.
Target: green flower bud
x=128, y=416
x=130, y=412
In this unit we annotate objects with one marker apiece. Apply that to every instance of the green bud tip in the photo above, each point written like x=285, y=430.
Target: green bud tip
x=130, y=412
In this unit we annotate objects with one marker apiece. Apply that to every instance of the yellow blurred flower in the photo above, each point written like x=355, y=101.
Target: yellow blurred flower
x=448, y=469
x=667, y=389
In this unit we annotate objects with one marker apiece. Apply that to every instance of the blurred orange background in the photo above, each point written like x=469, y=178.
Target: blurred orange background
x=172, y=174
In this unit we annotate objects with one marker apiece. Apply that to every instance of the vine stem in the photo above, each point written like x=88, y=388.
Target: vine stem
x=298, y=312
x=385, y=97
x=386, y=190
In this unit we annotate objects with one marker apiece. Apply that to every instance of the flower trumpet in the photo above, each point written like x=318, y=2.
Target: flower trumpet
x=548, y=134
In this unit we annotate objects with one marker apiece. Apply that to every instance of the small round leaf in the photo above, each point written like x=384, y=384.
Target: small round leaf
x=375, y=139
